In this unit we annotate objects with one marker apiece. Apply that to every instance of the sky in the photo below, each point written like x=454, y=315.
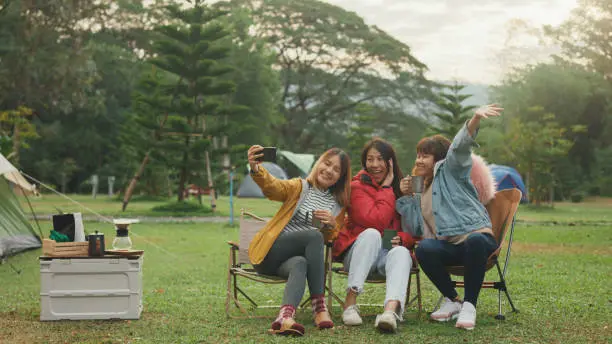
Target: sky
x=462, y=39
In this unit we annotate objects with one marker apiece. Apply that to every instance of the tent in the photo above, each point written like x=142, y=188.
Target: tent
x=299, y=164
x=248, y=188
x=508, y=178
x=16, y=232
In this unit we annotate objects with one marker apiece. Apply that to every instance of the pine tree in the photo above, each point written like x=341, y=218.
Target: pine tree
x=192, y=48
x=454, y=114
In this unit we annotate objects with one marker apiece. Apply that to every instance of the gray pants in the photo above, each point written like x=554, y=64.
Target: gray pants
x=298, y=257
x=366, y=257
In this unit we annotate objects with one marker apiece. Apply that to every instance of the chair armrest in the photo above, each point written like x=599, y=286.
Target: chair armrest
x=251, y=215
x=233, y=244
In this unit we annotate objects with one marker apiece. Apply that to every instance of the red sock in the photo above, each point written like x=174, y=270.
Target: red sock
x=318, y=304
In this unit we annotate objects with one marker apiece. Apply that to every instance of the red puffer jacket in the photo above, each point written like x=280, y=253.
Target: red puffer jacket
x=372, y=206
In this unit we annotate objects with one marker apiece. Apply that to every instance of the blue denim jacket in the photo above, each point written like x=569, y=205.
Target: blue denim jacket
x=455, y=203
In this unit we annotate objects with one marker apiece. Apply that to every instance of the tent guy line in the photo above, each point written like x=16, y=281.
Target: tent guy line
x=104, y=218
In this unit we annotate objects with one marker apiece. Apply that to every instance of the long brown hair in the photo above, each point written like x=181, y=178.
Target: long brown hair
x=388, y=153
x=436, y=145
x=342, y=188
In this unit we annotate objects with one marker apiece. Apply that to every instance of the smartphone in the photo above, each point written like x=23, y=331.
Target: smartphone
x=388, y=234
x=316, y=223
x=269, y=154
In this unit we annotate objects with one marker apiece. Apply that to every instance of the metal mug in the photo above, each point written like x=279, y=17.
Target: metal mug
x=417, y=183
x=96, y=244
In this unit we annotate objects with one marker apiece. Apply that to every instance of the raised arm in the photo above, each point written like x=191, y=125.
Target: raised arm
x=273, y=188
x=459, y=154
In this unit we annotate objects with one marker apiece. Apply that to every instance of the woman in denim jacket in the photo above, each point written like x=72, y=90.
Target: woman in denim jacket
x=449, y=216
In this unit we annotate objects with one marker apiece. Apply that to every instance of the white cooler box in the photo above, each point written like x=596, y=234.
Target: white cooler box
x=90, y=288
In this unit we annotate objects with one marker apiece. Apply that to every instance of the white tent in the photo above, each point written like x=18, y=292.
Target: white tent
x=16, y=232
x=12, y=174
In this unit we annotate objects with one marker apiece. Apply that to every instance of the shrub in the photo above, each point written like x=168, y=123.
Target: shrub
x=577, y=197
x=183, y=208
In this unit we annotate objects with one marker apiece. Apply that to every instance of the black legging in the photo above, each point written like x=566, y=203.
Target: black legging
x=299, y=257
x=434, y=255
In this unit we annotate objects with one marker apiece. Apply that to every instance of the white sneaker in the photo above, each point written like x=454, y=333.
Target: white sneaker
x=351, y=317
x=387, y=322
x=467, y=317
x=448, y=311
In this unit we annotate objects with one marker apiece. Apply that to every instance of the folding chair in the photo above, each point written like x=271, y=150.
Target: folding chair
x=502, y=211
x=380, y=280
x=240, y=266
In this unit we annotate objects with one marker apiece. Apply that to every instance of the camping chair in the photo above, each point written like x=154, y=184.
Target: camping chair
x=240, y=266
x=502, y=211
x=380, y=280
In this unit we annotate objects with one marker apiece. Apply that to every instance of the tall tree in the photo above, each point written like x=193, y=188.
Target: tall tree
x=142, y=132
x=331, y=61
x=575, y=96
x=585, y=36
x=454, y=114
x=192, y=49
x=535, y=147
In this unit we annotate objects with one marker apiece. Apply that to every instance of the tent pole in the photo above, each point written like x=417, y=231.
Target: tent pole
x=33, y=214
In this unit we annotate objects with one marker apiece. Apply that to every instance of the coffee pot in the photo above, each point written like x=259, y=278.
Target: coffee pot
x=96, y=244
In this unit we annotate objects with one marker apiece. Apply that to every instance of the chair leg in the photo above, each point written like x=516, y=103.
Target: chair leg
x=504, y=287
x=335, y=297
x=408, y=300
x=306, y=302
x=228, y=296
x=418, y=276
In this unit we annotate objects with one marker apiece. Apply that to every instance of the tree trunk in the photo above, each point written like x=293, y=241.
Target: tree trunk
x=552, y=195
x=132, y=186
x=226, y=157
x=213, y=203
x=182, y=179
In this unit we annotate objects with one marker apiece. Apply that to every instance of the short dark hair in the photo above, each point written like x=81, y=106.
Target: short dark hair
x=436, y=145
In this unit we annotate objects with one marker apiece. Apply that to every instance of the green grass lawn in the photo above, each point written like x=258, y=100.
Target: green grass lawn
x=559, y=278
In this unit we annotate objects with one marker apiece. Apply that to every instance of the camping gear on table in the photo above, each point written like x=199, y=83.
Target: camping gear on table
x=96, y=244
x=122, y=241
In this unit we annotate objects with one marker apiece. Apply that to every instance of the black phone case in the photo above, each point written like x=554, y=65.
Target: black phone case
x=269, y=154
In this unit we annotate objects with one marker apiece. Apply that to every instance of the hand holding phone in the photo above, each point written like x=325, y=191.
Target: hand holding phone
x=267, y=154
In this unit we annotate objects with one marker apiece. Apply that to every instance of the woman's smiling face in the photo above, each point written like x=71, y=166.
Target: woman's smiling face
x=376, y=165
x=328, y=172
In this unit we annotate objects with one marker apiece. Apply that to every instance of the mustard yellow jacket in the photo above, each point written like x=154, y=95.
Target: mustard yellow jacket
x=291, y=193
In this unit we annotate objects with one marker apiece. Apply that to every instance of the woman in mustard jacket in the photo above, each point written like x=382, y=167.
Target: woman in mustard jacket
x=291, y=245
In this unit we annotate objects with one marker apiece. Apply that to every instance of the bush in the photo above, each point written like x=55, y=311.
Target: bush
x=147, y=198
x=577, y=197
x=183, y=208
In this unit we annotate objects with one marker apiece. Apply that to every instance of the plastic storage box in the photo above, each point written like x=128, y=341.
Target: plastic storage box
x=90, y=288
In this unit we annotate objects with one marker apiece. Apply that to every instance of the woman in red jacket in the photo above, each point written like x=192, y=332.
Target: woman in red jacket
x=359, y=245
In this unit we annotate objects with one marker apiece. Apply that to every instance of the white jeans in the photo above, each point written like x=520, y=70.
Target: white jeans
x=367, y=258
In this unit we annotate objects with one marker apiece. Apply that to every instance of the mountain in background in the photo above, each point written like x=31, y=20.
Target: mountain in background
x=479, y=92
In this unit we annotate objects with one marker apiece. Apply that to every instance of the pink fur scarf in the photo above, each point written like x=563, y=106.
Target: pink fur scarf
x=483, y=180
